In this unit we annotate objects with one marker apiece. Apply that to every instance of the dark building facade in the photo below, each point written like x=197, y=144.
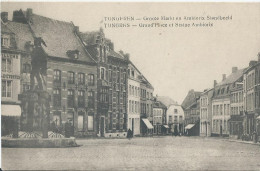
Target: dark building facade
x=111, y=84
x=251, y=82
x=191, y=108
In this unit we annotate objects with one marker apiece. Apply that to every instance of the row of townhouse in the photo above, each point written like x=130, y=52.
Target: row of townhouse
x=98, y=90
x=231, y=108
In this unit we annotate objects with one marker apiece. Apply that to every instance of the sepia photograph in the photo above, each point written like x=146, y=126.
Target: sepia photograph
x=130, y=85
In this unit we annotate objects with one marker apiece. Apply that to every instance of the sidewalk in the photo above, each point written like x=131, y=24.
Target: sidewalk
x=245, y=142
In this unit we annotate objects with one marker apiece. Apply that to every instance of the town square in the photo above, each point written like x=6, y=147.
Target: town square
x=96, y=86
x=149, y=153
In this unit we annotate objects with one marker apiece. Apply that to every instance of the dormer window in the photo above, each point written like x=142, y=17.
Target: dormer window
x=5, y=39
x=133, y=73
x=73, y=54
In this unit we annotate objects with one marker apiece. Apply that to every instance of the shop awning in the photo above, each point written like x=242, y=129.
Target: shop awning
x=10, y=110
x=189, y=126
x=166, y=126
x=147, y=123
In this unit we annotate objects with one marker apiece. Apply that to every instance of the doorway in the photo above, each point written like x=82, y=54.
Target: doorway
x=102, y=127
x=133, y=124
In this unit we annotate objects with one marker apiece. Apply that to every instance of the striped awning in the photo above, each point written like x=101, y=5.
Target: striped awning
x=189, y=126
x=147, y=123
x=166, y=126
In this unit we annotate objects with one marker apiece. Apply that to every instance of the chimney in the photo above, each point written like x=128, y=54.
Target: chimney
x=4, y=16
x=215, y=83
x=29, y=13
x=127, y=56
x=76, y=29
x=223, y=77
x=234, y=69
x=251, y=63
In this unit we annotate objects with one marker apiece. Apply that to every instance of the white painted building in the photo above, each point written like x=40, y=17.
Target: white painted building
x=175, y=117
x=206, y=112
x=134, y=99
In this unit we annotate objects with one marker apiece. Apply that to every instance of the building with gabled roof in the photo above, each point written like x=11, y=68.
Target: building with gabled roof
x=112, y=84
x=191, y=107
x=140, y=95
x=71, y=74
x=15, y=48
x=221, y=102
x=159, y=118
x=206, y=112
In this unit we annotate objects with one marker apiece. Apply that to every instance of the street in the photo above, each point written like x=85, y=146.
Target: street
x=155, y=153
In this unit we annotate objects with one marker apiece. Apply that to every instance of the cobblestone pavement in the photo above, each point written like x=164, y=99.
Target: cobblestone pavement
x=155, y=153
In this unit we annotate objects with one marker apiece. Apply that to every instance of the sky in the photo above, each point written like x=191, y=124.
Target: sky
x=174, y=60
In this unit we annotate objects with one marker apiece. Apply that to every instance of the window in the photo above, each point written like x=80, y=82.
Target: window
x=129, y=90
x=91, y=99
x=110, y=75
x=81, y=78
x=103, y=95
x=56, y=97
x=57, y=75
x=26, y=87
x=80, y=122
x=70, y=98
x=124, y=78
x=130, y=106
x=124, y=98
x=180, y=119
x=118, y=77
x=100, y=54
x=57, y=118
x=175, y=119
x=90, y=123
x=91, y=79
x=135, y=107
x=5, y=39
x=71, y=77
x=81, y=98
x=6, y=88
x=102, y=73
x=105, y=53
x=26, y=68
x=175, y=111
x=170, y=119
x=133, y=73
x=6, y=65
x=118, y=97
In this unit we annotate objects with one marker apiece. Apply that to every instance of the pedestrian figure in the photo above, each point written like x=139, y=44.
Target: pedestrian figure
x=175, y=131
x=129, y=134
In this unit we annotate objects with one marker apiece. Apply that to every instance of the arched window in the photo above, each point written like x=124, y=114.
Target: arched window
x=102, y=73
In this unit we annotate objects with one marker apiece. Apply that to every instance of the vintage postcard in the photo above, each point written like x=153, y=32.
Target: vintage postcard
x=130, y=86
